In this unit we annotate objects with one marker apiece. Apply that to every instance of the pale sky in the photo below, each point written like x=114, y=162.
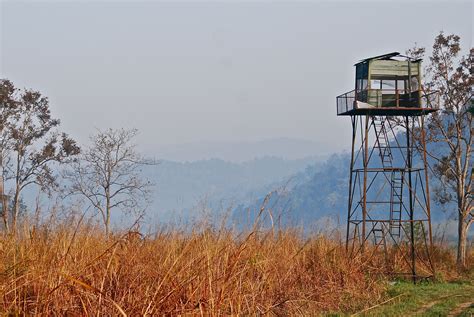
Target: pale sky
x=220, y=71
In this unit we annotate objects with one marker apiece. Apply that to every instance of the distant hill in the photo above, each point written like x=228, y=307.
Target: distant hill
x=304, y=191
x=183, y=188
x=319, y=192
x=288, y=148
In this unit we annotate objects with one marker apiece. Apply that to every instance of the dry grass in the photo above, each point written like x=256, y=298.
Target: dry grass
x=77, y=271
x=71, y=268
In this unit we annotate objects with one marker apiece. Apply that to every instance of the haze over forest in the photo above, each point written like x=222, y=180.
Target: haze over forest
x=235, y=98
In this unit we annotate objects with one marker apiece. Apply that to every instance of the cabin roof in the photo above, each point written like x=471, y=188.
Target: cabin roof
x=388, y=56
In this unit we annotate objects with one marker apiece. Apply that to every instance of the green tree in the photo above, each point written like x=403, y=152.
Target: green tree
x=33, y=143
x=450, y=130
x=7, y=106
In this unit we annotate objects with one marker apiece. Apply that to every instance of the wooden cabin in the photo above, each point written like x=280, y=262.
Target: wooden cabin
x=388, y=84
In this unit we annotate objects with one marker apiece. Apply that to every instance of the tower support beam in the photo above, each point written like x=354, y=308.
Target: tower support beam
x=388, y=206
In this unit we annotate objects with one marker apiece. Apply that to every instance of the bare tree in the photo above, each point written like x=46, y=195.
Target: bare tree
x=32, y=142
x=450, y=130
x=108, y=174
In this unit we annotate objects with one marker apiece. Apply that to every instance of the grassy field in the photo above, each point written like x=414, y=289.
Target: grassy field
x=426, y=299
x=71, y=268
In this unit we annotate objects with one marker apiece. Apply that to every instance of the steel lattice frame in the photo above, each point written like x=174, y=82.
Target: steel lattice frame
x=389, y=204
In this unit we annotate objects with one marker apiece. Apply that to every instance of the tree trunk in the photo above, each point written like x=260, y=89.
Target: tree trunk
x=462, y=214
x=462, y=243
x=16, y=209
x=4, y=202
x=107, y=213
x=5, y=212
x=107, y=225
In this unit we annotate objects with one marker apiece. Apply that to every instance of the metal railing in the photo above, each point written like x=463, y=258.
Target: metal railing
x=387, y=98
x=345, y=102
x=430, y=100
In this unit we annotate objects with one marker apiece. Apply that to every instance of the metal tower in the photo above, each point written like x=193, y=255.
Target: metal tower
x=389, y=203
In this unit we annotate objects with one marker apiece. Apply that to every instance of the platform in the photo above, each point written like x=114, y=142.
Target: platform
x=368, y=103
x=388, y=112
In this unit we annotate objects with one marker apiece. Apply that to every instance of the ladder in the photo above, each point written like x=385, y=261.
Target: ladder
x=396, y=203
x=396, y=178
x=382, y=142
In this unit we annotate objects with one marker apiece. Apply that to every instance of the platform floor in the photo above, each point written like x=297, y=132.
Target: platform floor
x=385, y=111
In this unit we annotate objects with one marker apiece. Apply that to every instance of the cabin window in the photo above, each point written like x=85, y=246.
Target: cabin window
x=401, y=85
x=389, y=84
x=361, y=84
x=375, y=84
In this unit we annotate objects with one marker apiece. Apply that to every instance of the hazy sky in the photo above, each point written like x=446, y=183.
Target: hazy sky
x=221, y=71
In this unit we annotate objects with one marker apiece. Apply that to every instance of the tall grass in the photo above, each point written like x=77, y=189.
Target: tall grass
x=68, y=269
x=71, y=268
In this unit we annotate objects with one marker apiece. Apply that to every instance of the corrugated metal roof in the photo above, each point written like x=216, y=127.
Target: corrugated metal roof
x=389, y=56
x=384, y=56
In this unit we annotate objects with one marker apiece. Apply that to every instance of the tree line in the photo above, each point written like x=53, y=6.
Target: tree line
x=34, y=151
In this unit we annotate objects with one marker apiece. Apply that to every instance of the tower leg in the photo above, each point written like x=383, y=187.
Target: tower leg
x=410, y=195
x=391, y=213
x=351, y=170
x=364, y=193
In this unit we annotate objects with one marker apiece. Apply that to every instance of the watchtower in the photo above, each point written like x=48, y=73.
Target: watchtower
x=389, y=203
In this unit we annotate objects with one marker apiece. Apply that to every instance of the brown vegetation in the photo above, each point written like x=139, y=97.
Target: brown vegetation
x=68, y=271
x=73, y=269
